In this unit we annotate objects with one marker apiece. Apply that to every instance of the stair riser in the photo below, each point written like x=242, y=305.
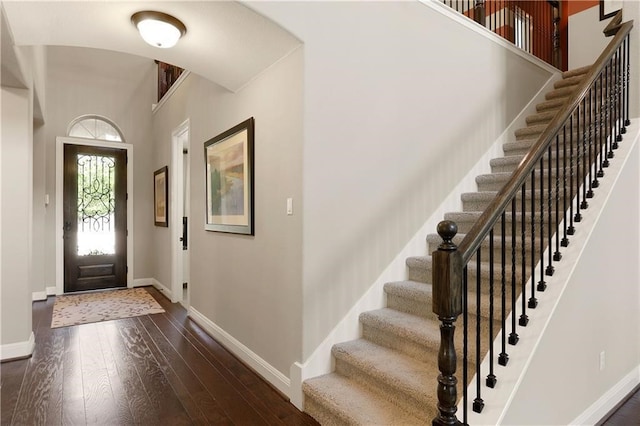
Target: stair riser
x=422, y=351
x=412, y=403
x=323, y=414
x=423, y=274
x=424, y=309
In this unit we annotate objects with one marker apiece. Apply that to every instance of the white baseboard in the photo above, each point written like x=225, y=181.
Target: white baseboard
x=144, y=282
x=38, y=296
x=262, y=367
x=321, y=362
x=608, y=401
x=18, y=350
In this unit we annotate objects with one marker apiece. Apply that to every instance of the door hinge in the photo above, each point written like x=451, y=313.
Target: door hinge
x=126, y=197
x=127, y=269
x=127, y=231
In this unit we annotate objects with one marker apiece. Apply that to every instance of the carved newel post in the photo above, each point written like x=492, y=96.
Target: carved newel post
x=447, y=304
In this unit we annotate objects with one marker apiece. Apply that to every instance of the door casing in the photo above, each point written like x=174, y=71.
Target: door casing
x=176, y=191
x=59, y=214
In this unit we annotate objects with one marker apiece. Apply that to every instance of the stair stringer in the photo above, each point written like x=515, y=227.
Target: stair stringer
x=349, y=328
x=498, y=400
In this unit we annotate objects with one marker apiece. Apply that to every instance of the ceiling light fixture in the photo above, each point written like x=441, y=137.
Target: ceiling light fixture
x=158, y=29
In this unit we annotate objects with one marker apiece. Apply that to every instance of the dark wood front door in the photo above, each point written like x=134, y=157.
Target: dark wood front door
x=95, y=218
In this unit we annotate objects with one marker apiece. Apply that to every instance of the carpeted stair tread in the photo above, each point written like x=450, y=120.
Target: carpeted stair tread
x=564, y=92
x=529, y=131
x=569, y=81
x=576, y=72
x=410, y=327
x=478, y=201
x=433, y=240
x=420, y=267
x=401, y=377
x=541, y=117
x=416, y=298
x=335, y=400
x=553, y=104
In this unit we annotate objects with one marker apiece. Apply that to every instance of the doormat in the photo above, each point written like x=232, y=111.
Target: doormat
x=103, y=306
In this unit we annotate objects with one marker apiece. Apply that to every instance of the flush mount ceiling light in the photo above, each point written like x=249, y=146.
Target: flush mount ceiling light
x=158, y=29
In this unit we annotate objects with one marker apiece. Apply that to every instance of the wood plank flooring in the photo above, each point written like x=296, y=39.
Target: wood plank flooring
x=627, y=414
x=159, y=369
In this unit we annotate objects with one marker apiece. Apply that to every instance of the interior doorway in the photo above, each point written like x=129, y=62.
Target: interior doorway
x=179, y=217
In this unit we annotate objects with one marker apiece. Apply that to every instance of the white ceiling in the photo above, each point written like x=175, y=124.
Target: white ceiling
x=226, y=42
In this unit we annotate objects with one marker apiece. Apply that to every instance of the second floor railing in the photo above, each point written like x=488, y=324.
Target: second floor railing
x=532, y=25
x=491, y=278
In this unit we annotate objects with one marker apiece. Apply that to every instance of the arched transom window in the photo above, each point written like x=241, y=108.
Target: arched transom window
x=95, y=127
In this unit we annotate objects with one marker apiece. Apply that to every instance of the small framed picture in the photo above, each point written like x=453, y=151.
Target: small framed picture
x=609, y=8
x=229, y=180
x=161, y=196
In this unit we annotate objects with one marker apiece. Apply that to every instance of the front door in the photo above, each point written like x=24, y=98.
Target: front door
x=95, y=218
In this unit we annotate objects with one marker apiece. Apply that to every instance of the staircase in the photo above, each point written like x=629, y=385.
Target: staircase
x=389, y=375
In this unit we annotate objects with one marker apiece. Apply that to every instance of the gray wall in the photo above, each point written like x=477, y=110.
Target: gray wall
x=250, y=286
x=16, y=216
x=400, y=102
x=599, y=311
x=122, y=88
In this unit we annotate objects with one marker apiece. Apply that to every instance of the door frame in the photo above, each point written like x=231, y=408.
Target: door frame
x=176, y=192
x=59, y=215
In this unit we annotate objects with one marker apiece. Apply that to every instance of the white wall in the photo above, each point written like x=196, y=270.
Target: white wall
x=249, y=286
x=400, y=102
x=121, y=87
x=599, y=311
x=16, y=221
x=586, y=40
x=586, y=43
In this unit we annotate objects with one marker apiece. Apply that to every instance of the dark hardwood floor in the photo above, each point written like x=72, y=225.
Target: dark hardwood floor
x=627, y=413
x=158, y=369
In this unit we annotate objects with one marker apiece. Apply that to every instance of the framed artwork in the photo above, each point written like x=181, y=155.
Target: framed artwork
x=161, y=196
x=229, y=180
x=609, y=8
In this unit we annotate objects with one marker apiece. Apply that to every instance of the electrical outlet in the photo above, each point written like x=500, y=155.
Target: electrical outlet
x=602, y=361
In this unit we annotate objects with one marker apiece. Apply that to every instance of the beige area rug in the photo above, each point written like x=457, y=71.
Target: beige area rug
x=103, y=306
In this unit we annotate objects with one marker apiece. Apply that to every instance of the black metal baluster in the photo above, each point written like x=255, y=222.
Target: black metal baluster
x=542, y=285
x=491, y=378
x=557, y=255
x=578, y=216
x=627, y=122
x=565, y=239
x=503, y=358
x=571, y=230
x=533, y=302
x=550, y=269
x=604, y=162
x=615, y=129
x=513, y=336
x=593, y=181
x=524, y=319
x=478, y=403
x=623, y=129
x=609, y=115
x=618, y=97
x=583, y=174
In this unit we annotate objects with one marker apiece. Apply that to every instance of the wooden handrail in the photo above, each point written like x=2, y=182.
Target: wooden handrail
x=479, y=231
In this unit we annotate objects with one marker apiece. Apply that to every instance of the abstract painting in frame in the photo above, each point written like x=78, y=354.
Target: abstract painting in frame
x=229, y=180
x=161, y=196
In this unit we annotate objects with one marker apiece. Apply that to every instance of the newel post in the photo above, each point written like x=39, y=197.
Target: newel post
x=447, y=304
